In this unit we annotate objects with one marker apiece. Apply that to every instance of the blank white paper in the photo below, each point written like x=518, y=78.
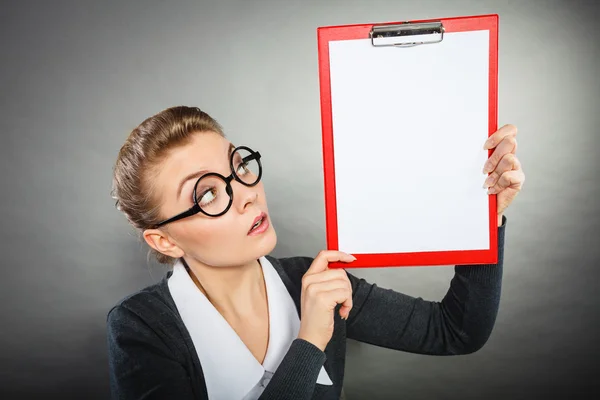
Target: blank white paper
x=408, y=131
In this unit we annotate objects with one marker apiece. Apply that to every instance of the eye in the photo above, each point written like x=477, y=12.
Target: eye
x=241, y=166
x=207, y=197
x=242, y=169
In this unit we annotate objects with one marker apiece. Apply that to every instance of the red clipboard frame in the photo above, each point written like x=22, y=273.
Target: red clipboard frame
x=361, y=31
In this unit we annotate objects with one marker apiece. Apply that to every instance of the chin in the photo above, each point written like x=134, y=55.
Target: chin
x=266, y=245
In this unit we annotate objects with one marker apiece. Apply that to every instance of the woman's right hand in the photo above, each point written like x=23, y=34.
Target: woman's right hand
x=322, y=290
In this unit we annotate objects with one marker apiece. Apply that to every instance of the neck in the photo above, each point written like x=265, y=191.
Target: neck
x=235, y=292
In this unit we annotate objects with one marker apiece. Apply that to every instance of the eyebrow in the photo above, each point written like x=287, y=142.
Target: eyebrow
x=197, y=174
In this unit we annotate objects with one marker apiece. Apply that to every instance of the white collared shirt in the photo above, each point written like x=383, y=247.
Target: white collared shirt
x=230, y=370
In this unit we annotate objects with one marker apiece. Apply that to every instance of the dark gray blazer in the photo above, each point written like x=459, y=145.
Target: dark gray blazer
x=152, y=356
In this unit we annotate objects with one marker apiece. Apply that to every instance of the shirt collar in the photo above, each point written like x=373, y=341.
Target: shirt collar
x=230, y=370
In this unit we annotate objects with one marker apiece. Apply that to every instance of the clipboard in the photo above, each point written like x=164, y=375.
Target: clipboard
x=405, y=110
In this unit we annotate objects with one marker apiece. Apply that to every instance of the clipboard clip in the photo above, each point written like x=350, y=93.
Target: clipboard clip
x=407, y=34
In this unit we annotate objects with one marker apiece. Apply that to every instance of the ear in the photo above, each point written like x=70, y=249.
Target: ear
x=161, y=242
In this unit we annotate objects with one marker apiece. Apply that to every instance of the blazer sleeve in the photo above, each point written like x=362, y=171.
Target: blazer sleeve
x=296, y=376
x=140, y=366
x=459, y=324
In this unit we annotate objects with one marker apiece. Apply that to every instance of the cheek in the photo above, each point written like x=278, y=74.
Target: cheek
x=212, y=241
x=207, y=233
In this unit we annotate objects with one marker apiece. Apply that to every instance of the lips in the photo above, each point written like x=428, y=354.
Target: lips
x=262, y=216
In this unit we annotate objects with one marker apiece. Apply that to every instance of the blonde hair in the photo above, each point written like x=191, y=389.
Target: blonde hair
x=139, y=160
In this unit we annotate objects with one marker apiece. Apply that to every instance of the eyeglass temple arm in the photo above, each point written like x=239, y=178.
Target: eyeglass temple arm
x=254, y=156
x=184, y=214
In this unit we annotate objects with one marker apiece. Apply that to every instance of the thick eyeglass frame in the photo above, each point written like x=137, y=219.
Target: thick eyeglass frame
x=195, y=209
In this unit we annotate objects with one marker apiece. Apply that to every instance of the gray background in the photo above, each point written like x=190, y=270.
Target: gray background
x=78, y=76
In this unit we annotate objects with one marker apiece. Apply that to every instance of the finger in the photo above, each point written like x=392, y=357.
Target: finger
x=326, y=275
x=512, y=179
x=507, y=163
x=507, y=145
x=331, y=275
x=316, y=289
x=323, y=259
x=499, y=135
x=345, y=311
x=325, y=290
x=340, y=296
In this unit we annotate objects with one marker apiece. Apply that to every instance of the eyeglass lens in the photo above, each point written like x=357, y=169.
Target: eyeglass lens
x=245, y=167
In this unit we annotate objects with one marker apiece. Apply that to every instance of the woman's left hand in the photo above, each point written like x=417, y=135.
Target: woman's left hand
x=506, y=176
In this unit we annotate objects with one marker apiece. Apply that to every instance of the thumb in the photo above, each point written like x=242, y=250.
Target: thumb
x=322, y=260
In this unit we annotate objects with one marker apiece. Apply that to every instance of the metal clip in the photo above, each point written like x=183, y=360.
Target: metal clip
x=407, y=34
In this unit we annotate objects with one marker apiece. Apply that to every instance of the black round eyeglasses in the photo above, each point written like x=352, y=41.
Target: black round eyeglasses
x=213, y=195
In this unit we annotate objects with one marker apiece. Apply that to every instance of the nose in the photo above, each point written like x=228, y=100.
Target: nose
x=244, y=196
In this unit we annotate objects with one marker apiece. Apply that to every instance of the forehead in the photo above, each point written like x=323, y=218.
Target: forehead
x=204, y=150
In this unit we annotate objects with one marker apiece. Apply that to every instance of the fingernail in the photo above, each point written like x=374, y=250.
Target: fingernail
x=491, y=190
x=488, y=182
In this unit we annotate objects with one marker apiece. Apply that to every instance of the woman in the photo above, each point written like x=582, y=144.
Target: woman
x=231, y=322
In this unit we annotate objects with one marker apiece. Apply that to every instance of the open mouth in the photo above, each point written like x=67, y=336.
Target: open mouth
x=260, y=224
